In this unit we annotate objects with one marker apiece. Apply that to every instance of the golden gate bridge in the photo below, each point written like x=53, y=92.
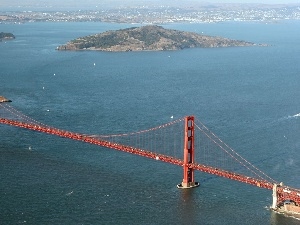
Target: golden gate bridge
x=185, y=142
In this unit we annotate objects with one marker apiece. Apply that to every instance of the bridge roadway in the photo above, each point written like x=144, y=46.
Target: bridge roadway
x=282, y=191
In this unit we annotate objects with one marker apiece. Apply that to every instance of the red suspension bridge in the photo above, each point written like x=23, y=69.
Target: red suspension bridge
x=184, y=142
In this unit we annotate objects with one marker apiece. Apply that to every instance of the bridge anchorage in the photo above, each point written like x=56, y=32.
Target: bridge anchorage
x=285, y=199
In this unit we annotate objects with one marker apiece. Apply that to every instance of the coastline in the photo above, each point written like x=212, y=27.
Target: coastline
x=3, y=99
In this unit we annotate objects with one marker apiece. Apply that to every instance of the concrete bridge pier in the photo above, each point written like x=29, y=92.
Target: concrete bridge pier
x=275, y=198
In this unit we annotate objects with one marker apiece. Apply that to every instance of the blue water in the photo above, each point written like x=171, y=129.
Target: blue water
x=248, y=96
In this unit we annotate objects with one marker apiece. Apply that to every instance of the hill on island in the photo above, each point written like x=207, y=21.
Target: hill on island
x=148, y=38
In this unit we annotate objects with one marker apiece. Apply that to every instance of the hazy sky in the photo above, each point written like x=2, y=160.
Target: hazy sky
x=111, y=3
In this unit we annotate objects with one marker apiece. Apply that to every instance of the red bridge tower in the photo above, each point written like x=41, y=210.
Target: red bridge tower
x=188, y=154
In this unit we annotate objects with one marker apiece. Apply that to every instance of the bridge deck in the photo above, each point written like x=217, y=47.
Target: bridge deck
x=283, y=192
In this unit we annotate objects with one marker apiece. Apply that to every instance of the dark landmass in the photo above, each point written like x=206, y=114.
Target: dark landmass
x=3, y=99
x=6, y=36
x=148, y=38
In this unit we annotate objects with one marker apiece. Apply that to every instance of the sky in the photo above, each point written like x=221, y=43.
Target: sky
x=69, y=4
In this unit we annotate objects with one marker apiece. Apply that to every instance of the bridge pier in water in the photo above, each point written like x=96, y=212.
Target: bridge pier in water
x=188, y=155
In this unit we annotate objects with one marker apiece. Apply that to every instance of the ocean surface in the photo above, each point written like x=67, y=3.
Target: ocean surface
x=248, y=96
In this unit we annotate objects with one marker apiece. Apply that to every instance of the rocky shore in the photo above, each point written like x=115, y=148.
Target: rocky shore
x=3, y=99
x=149, y=38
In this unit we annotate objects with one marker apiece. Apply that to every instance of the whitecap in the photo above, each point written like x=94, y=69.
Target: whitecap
x=68, y=194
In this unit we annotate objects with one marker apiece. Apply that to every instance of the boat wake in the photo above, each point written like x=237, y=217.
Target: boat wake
x=294, y=116
x=68, y=194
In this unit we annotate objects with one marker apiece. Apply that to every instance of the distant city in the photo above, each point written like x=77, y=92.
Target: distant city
x=162, y=14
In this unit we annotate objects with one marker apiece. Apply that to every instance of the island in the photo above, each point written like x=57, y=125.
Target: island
x=6, y=36
x=148, y=38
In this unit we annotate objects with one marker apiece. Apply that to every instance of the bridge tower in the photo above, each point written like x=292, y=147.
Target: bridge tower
x=188, y=154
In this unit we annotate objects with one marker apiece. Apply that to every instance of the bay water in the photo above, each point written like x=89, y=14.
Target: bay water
x=248, y=96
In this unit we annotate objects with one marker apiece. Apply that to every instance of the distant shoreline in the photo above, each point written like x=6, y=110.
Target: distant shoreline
x=153, y=14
